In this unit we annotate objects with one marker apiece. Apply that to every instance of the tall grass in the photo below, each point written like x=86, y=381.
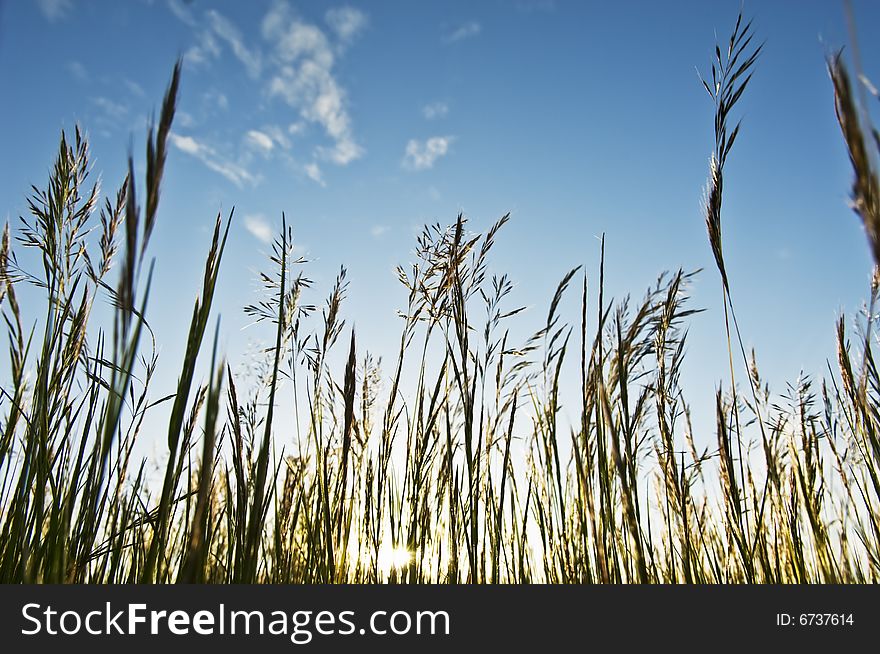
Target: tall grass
x=465, y=474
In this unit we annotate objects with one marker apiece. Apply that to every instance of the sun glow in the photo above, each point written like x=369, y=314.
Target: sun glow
x=394, y=558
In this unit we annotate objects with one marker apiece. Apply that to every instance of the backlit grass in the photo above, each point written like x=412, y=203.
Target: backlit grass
x=467, y=473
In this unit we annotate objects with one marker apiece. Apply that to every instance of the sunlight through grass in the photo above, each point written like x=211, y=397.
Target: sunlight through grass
x=457, y=448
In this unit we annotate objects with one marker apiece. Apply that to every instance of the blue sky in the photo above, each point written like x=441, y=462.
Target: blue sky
x=364, y=121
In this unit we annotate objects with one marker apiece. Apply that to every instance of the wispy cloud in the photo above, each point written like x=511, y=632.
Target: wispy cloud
x=259, y=141
x=259, y=227
x=313, y=172
x=435, y=110
x=468, y=30
x=421, y=155
x=109, y=117
x=183, y=14
x=268, y=140
x=214, y=99
x=111, y=109
x=303, y=78
x=298, y=69
x=212, y=31
x=204, y=51
x=232, y=171
x=226, y=30
x=134, y=88
x=378, y=230
x=279, y=136
x=184, y=119
x=54, y=10
x=186, y=144
x=347, y=22
x=79, y=71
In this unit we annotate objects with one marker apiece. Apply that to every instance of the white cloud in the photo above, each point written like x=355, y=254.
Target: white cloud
x=470, y=29
x=78, y=71
x=206, y=50
x=275, y=18
x=304, y=76
x=184, y=119
x=347, y=22
x=421, y=155
x=183, y=14
x=113, y=110
x=295, y=39
x=214, y=29
x=54, y=10
x=297, y=63
x=186, y=144
x=259, y=227
x=435, y=110
x=343, y=152
x=235, y=173
x=226, y=30
x=279, y=136
x=259, y=141
x=313, y=172
x=134, y=88
x=111, y=116
x=213, y=99
x=378, y=230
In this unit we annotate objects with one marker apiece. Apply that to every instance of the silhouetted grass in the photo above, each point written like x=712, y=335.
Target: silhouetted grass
x=466, y=474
